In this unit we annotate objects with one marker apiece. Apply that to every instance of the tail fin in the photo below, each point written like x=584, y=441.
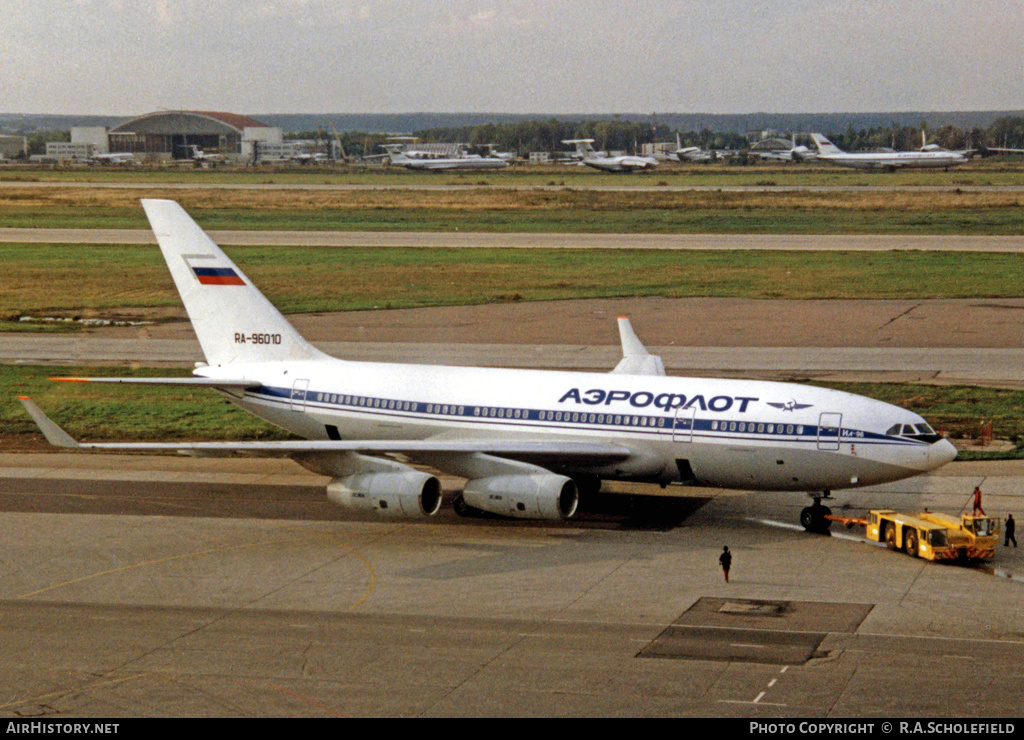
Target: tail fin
x=825, y=146
x=584, y=147
x=232, y=319
x=395, y=153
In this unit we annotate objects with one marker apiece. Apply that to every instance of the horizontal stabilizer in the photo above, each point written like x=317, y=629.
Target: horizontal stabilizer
x=200, y=382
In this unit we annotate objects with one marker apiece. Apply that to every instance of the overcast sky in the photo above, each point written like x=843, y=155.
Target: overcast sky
x=120, y=57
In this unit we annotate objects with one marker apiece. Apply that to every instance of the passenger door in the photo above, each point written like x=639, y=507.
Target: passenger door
x=682, y=428
x=829, y=425
x=298, y=400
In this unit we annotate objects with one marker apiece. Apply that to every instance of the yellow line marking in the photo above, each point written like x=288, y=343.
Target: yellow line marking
x=64, y=692
x=200, y=553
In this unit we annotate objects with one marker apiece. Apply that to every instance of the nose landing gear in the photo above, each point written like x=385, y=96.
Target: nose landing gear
x=813, y=518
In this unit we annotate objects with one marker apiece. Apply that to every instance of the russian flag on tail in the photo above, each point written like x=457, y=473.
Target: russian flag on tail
x=217, y=276
x=208, y=272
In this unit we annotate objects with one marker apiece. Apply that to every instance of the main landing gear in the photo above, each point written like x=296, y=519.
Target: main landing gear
x=814, y=518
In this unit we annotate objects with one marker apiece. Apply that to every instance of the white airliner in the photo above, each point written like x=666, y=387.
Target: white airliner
x=427, y=160
x=622, y=163
x=526, y=441
x=115, y=158
x=890, y=161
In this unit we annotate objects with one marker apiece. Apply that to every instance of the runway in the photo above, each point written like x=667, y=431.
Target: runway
x=112, y=609
x=495, y=240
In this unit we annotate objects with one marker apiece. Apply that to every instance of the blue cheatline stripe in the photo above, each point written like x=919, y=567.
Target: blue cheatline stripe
x=645, y=423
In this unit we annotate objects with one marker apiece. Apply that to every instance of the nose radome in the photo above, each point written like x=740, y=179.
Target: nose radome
x=940, y=453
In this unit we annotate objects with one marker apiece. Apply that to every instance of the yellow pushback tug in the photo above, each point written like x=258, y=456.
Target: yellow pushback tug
x=930, y=535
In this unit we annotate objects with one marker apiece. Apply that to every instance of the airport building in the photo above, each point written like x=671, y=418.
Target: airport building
x=181, y=134
x=188, y=135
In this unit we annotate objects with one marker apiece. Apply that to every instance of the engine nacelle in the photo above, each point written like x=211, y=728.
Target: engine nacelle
x=524, y=496
x=413, y=494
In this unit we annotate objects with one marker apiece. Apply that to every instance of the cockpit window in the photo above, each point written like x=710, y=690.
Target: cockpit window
x=920, y=432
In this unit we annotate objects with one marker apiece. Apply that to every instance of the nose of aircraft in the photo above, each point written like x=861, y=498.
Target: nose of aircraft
x=940, y=453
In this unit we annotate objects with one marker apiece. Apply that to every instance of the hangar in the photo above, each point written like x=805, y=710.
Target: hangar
x=178, y=134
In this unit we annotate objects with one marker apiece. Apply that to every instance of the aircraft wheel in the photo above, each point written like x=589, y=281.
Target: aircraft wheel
x=460, y=506
x=812, y=518
x=910, y=543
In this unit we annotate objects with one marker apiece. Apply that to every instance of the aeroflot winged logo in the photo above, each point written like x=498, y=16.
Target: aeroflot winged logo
x=208, y=272
x=791, y=406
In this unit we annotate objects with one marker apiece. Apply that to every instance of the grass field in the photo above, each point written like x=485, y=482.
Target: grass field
x=70, y=279
x=995, y=171
x=533, y=209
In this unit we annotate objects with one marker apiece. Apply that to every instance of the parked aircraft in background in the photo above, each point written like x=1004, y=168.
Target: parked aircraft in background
x=492, y=152
x=622, y=163
x=696, y=154
x=115, y=158
x=416, y=159
x=526, y=441
x=795, y=153
x=926, y=147
x=889, y=161
x=683, y=153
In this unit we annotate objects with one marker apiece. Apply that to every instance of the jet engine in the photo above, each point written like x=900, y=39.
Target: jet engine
x=410, y=494
x=524, y=496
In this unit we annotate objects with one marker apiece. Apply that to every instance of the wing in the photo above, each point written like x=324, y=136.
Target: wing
x=526, y=450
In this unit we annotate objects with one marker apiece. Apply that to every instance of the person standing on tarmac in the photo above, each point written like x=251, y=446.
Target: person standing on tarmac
x=977, y=502
x=726, y=560
x=1009, y=530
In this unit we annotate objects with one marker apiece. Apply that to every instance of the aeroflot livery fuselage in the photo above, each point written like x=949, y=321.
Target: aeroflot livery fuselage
x=524, y=440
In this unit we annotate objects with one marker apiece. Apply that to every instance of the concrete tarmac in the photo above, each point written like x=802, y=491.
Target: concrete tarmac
x=163, y=586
